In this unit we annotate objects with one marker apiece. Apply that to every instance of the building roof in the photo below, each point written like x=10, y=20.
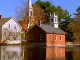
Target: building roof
x=3, y=21
x=51, y=29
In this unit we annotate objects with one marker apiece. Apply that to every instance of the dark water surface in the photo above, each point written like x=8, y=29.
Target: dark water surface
x=39, y=53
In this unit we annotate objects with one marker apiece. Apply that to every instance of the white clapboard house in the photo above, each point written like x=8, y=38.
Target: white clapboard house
x=9, y=29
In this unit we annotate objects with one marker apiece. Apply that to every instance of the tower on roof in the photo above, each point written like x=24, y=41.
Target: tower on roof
x=54, y=20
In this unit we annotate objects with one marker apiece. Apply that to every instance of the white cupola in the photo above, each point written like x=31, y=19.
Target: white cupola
x=54, y=20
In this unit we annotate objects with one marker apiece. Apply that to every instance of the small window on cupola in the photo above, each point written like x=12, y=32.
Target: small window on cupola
x=55, y=20
x=51, y=19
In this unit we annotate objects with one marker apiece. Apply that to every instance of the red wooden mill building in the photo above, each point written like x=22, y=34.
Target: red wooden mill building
x=51, y=34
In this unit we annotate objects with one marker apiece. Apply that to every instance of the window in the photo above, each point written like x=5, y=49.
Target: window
x=31, y=36
x=31, y=13
x=51, y=19
x=56, y=37
x=9, y=25
x=41, y=36
x=15, y=27
x=60, y=37
x=55, y=20
x=50, y=36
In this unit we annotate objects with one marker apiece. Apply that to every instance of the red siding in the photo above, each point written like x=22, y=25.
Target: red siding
x=54, y=41
x=55, y=53
x=36, y=31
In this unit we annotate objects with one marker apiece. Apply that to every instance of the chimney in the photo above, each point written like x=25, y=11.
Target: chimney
x=0, y=16
x=39, y=22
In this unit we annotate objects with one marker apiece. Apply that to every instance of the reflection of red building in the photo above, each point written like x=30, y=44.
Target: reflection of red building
x=34, y=53
x=55, y=53
x=43, y=53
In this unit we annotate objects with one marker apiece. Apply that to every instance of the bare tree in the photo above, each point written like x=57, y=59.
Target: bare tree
x=38, y=13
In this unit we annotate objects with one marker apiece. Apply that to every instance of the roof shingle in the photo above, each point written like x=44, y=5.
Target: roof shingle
x=3, y=21
x=51, y=29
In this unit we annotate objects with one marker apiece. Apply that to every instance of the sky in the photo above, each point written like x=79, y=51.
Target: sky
x=8, y=7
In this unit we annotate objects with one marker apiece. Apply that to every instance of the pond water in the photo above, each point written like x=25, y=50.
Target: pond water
x=38, y=53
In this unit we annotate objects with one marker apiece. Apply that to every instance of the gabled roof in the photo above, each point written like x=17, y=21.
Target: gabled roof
x=4, y=20
x=49, y=29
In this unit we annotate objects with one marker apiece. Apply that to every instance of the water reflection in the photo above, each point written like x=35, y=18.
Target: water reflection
x=34, y=53
x=73, y=53
x=38, y=53
x=11, y=53
x=55, y=53
x=42, y=53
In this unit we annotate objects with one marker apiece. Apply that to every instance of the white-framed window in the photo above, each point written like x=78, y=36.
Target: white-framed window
x=60, y=37
x=41, y=36
x=9, y=25
x=15, y=27
x=55, y=20
x=56, y=37
x=31, y=36
x=50, y=36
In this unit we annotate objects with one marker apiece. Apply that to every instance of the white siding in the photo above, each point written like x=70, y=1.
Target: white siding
x=13, y=23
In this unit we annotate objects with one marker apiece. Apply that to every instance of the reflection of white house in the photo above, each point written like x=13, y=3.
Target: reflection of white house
x=9, y=29
x=11, y=53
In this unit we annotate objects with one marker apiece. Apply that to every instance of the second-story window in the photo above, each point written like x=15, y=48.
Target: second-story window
x=60, y=37
x=50, y=36
x=9, y=25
